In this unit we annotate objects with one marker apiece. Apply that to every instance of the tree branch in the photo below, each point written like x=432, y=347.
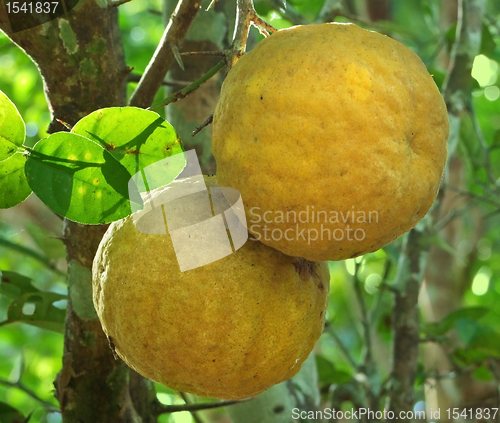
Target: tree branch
x=19, y=385
x=190, y=88
x=195, y=416
x=164, y=55
x=197, y=407
x=413, y=258
x=117, y=3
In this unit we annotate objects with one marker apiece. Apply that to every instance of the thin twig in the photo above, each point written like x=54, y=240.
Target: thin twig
x=117, y=3
x=155, y=12
x=33, y=254
x=197, y=407
x=344, y=349
x=471, y=194
x=368, y=364
x=486, y=149
x=245, y=16
x=164, y=56
x=364, y=315
x=204, y=53
x=168, y=83
x=19, y=385
x=209, y=120
x=264, y=27
x=189, y=89
x=383, y=286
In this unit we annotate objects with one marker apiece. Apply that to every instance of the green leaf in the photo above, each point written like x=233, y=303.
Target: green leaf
x=449, y=322
x=488, y=44
x=275, y=404
x=77, y=178
x=467, y=329
x=84, y=175
x=135, y=137
x=450, y=36
x=482, y=373
x=14, y=188
x=12, y=128
x=13, y=284
x=9, y=414
x=45, y=314
x=487, y=343
x=329, y=374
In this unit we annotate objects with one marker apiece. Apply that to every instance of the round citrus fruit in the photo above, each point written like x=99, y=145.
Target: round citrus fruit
x=335, y=137
x=228, y=330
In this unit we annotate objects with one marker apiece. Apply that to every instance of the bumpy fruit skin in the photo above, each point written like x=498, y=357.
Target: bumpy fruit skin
x=228, y=330
x=337, y=119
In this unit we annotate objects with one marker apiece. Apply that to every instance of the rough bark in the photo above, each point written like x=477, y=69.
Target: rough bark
x=456, y=92
x=405, y=323
x=81, y=61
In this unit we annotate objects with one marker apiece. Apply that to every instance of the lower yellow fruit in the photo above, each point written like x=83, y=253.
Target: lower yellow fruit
x=228, y=330
x=335, y=137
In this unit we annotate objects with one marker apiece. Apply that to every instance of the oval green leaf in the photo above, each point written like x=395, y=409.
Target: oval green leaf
x=135, y=137
x=13, y=284
x=45, y=315
x=14, y=188
x=77, y=178
x=12, y=128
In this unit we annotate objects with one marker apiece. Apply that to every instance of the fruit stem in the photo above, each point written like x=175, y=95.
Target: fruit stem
x=189, y=89
x=245, y=16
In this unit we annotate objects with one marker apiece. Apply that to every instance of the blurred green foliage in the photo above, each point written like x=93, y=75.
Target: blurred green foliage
x=31, y=357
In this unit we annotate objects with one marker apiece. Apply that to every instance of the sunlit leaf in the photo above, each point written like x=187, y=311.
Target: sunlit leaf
x=14, y=188
x=84, y=175
x=12, y=128
x=135, y=137
x=77, y=178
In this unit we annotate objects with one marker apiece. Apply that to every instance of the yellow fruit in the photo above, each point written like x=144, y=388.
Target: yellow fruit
x=342, y=124
x=228, y=330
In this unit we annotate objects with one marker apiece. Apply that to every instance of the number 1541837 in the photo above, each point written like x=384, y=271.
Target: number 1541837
x=32, y=7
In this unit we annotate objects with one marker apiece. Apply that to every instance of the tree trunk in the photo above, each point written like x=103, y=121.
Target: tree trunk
x=81, y=61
